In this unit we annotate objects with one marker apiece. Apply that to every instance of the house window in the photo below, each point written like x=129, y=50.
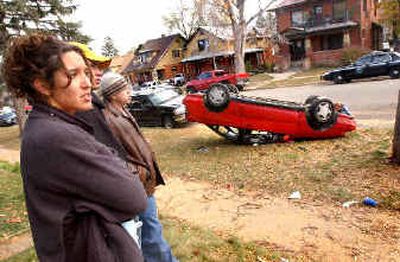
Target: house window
x=203, y=44
x=331, y=42
x=339, y=10
x=176, y=53
x=297, y=18
x=317, y=12
x=144, y=57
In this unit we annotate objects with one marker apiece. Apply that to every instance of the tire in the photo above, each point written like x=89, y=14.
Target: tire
x=394, y=73
x=338, y=79
x=168, y=122
x=310, y=99
x=321, y=114
x=217, y=97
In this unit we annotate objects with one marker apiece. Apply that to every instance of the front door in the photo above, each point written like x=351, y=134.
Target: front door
x=297, y=52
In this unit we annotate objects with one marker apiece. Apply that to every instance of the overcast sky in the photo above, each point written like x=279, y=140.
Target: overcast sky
x=128, y=23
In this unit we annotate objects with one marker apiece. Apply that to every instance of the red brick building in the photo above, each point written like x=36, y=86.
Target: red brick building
x=318, y=31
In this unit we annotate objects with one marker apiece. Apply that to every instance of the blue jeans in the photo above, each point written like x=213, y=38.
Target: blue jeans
x=154, y=247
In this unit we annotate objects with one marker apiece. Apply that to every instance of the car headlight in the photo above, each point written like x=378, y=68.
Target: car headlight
x=180, y=110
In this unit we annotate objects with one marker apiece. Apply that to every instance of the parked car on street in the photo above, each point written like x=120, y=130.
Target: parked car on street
x=158, y=107
x=376, y=63
x=8, y=116
x=205, y=79
x=252, y=119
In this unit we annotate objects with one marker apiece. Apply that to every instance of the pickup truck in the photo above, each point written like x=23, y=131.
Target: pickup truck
x=207, y=78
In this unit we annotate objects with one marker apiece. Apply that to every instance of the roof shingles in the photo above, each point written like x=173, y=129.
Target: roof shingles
x=156, y=49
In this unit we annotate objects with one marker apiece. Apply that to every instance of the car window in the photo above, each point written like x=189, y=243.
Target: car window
x=383, y=58
x=396, y=55
x=363, y=60
x=162, y=97
x=219, y=73
x=204, y=75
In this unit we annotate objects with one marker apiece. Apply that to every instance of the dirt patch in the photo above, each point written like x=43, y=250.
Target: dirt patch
x=323, y=233
x=15, y=245
x=9, y=155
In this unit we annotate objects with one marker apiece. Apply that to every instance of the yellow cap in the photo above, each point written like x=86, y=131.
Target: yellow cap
x=91, y=55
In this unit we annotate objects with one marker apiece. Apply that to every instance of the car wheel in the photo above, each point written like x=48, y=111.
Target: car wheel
x=168, y=122
x=321, y=114
x=217, y=98
x=310, y=99
x=394, y=73
x=338, y=79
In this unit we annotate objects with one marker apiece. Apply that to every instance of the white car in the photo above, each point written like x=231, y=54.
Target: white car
x=178, y=79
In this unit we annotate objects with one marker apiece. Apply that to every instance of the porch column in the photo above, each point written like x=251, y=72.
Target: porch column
x=346, y=39
x=307, y=59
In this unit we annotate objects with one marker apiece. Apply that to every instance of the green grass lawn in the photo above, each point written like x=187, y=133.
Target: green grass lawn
x=310, y=76
x=13, y=218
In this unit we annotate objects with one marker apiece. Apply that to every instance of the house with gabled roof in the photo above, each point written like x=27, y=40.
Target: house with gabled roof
x=156, y=59
x=119, y=63
x=212, y=48
x=319, y=31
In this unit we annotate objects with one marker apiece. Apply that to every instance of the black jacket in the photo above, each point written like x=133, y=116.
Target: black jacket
x=77, y=191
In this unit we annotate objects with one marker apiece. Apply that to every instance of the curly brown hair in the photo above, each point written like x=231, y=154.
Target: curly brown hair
x=36, y=56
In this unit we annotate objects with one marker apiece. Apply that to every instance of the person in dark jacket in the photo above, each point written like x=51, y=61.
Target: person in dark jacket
x=77, y=190
x=116, y=95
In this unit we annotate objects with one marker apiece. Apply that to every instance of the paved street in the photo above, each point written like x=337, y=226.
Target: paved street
x=372, y=101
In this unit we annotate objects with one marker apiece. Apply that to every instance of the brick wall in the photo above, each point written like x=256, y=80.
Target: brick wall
x=326, y=58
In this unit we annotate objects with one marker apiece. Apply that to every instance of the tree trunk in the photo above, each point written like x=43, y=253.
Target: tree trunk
x=239, y=31
x=19, y=105
x=396, y=138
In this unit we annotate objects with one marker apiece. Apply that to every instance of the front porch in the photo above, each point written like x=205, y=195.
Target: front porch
x=194, y=65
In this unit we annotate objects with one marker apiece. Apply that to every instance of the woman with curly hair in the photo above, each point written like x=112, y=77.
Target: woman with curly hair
x=77, y=190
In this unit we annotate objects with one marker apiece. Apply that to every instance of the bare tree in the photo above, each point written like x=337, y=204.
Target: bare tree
x=186, y=19
x=235, y=11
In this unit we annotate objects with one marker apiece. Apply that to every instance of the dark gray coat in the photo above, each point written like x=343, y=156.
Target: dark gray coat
x=77, y=191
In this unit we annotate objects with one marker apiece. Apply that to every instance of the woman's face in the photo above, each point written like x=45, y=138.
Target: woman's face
x=122, y=97
x=76, y=96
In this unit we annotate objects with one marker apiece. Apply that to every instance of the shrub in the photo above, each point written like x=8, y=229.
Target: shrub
x=351, y=54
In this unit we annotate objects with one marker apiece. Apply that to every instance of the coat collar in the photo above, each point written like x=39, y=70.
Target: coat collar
x=97, y=101
x=53, y=112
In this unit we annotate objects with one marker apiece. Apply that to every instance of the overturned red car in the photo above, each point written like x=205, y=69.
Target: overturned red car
x=261, y=120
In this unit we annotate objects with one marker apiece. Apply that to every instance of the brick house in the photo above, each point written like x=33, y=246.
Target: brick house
x=156, y=59
x=318, y=31
x=209, y=49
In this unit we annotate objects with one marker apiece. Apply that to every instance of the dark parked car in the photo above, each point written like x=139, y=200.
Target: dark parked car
x=158, y=107
x=376, y=63
x=7, y=116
